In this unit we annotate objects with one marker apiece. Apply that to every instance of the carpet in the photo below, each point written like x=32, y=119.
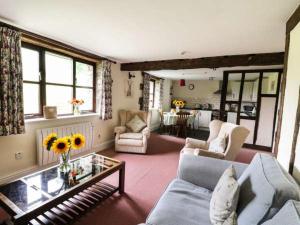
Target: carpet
x=147, y=176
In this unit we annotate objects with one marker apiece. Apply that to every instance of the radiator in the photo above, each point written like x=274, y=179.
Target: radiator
x=46, y=157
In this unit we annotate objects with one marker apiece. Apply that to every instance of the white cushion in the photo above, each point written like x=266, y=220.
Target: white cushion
x=136, y=136
x=136, y=124
x=217, y=145
x=224, y=199
x=130, y=142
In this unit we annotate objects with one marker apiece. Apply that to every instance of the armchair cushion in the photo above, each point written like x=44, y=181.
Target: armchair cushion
x=136, y=124
x=217, y=145
x=136, y=136
x=130, y=142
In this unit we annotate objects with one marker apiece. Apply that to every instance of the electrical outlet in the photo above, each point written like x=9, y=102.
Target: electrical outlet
x=18, y=155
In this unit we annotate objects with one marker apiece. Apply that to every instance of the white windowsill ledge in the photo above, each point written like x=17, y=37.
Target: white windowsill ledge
x=60, y=118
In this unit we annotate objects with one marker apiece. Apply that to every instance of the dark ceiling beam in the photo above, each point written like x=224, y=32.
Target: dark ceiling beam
x=263, y=59
x=293, y=20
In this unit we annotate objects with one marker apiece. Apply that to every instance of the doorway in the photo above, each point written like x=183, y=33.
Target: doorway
x=250, y=98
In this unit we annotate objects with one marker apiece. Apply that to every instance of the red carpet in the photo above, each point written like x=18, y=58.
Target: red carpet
x=147, y=176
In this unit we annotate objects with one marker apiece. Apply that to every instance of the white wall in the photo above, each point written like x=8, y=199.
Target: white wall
x=202, y=93
x=290, y=101
x=26, y=143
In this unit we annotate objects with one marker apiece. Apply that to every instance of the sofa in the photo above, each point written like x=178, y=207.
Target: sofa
x=264, y=189
x=128, y=141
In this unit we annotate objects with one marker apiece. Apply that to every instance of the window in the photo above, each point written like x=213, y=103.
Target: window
x=55, y=80
x=32, y=81
x=154, y=92
x=151, y=93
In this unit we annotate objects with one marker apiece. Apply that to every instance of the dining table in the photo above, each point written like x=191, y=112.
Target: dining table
x=170, y=118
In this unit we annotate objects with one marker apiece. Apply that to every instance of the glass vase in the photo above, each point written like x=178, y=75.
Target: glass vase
x=177, y=109
x=64, y=163
x=76, y=110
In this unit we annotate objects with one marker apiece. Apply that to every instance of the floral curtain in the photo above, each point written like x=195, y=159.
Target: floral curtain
x=161, y=93
x=11, y=83
x=146, y=90
x=104, y=89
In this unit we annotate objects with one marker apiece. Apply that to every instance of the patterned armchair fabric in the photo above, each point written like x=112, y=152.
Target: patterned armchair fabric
x=126, y=140
x=235, y=134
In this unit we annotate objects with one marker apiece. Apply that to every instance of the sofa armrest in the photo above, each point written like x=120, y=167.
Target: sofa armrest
x=195, y=143
x=120, y=130
x=204, y=171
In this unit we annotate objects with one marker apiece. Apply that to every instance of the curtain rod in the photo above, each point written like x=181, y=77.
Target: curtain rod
x=50, y=41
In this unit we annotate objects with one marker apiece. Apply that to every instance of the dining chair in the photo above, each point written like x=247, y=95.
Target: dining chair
x=181, y=123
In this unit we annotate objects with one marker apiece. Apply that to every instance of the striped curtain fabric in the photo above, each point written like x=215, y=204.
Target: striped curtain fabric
x=11, y=83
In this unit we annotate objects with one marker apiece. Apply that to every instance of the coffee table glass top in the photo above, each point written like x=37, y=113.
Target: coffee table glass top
x=32, y=190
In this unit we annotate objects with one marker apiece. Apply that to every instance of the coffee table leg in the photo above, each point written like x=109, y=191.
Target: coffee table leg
x=122, y=178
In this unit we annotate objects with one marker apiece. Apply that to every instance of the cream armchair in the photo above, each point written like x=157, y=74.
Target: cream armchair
x=235, y=136
x=126, y=140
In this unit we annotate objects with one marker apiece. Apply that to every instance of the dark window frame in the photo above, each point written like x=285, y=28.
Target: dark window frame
x=42, y=83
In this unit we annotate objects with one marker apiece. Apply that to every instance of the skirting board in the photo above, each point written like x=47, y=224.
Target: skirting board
x=24, y=172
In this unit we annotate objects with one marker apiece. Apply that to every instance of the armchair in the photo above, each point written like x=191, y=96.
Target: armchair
x=128, y=141
x=234, y=134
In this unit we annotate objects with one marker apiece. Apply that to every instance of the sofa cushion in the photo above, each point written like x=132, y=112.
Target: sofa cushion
x=136, y=136
x=224, y=198
x=288, y=215
x=136, y=124
x=182, y=203
x=264, y=189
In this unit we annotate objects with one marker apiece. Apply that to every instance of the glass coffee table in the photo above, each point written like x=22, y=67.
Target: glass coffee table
x=52, y=197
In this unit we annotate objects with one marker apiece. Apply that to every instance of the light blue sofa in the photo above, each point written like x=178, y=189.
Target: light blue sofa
x=265, y=188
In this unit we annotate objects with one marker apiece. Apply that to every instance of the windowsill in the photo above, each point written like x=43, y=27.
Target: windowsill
x=42, y=119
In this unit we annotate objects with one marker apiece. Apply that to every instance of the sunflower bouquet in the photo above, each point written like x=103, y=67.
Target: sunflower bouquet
x=179, y=103
x=63, y=146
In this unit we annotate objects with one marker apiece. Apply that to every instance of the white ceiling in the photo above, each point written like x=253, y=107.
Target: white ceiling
x=204, y=74
x=143, y=30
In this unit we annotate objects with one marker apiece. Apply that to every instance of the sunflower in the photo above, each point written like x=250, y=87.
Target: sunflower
x=60, y=145
x=78, y=141
x=48, y=141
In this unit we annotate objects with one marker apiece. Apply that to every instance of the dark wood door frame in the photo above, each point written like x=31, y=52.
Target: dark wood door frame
x=290, y=25
x=258, y=103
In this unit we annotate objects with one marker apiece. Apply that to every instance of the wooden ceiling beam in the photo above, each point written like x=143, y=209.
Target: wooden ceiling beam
x=262, y=59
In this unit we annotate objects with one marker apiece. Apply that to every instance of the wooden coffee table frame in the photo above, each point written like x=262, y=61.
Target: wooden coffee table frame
x=65, y=208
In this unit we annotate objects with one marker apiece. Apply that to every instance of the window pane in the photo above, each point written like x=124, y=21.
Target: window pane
x=31, y=94
x=84, y=74
x=60, y=96
x=30, y=64
x=59, y=69
x=87, y=96
x=269, y=83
